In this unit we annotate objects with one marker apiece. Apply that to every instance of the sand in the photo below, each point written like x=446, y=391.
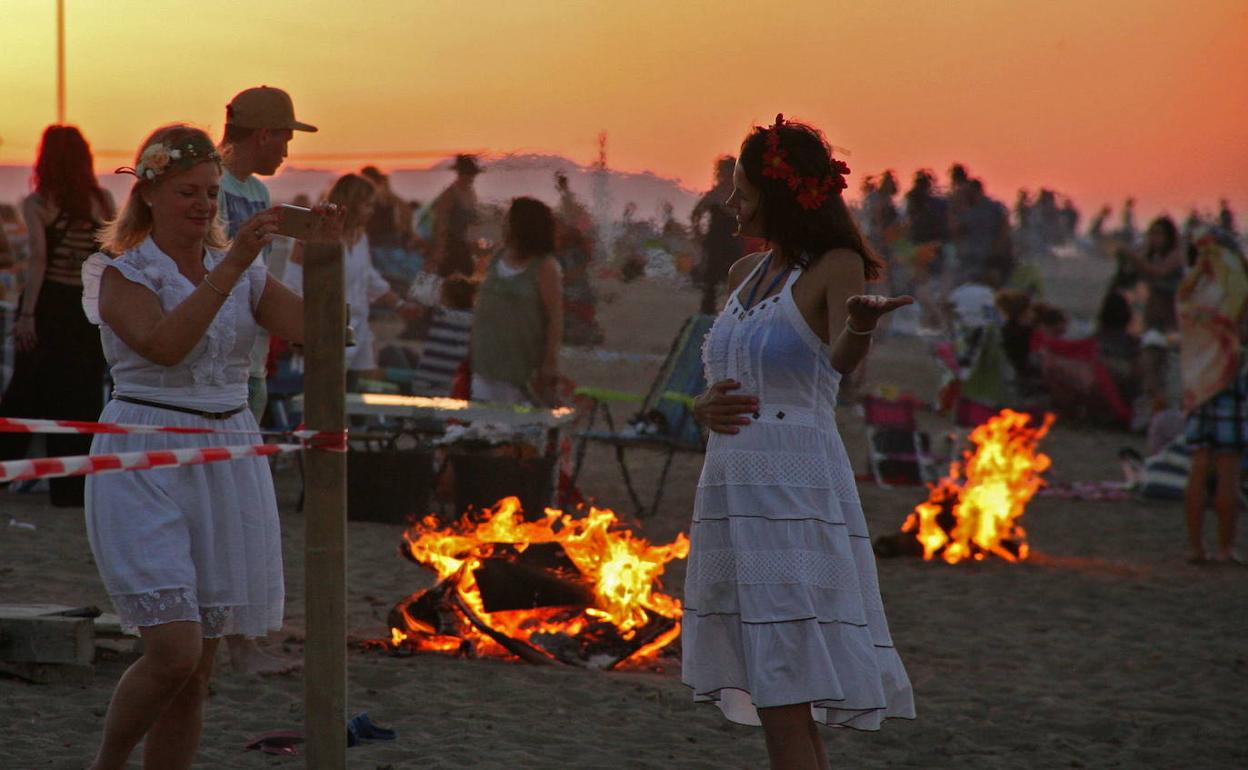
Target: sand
x=1105, y=650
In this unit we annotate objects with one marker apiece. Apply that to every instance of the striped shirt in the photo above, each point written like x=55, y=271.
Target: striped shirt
x=446, y=348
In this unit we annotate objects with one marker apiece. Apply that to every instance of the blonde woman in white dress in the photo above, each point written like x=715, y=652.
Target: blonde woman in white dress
x=783, y=624
x=187, y=554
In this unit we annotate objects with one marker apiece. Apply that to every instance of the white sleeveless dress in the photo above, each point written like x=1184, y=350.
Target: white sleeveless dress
x=198, y=543
x=782, y=603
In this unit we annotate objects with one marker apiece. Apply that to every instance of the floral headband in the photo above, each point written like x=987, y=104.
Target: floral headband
x=161, y=158
x=811, y=191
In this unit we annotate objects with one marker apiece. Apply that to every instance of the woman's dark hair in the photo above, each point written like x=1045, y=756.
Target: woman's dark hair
x=1115, y=314
x=802, y=234
x=64, y=173
x=1171, y=232
x=531, y=226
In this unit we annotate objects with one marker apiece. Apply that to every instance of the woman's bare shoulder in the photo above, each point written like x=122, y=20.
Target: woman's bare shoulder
x=742, y=267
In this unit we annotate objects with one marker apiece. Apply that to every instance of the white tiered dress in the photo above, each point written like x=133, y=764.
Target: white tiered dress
x=782, y=603
x=198, y=543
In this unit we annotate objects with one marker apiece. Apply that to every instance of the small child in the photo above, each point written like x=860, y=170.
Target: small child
x=447, y=341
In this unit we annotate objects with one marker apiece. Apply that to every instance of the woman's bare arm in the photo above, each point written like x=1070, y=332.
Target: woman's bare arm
x=37, y=261
x=280, y=311
x=550, y=287
x=842, y=278
x=134, y=313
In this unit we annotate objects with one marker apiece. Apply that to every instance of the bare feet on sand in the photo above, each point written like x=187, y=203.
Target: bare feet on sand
x=247, y=658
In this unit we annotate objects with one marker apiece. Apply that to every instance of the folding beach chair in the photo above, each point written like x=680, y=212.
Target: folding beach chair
x=664, y=421
x=897, y=452
x=1078, y=382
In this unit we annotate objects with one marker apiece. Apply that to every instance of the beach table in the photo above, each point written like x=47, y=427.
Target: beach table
x=470, y=433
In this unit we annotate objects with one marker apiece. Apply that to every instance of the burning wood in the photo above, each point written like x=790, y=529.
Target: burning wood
x=576, y=590
x=975, y=509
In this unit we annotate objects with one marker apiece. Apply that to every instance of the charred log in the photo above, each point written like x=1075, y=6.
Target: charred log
x=521, y=650
x=511, y=585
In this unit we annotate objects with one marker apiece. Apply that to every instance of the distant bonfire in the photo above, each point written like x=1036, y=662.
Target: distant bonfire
x=974, y=512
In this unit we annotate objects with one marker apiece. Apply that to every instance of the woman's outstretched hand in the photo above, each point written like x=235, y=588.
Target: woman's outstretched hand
x=721, y=412
x=866, y=310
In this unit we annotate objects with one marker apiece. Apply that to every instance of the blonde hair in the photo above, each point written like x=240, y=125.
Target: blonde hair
x=352, y=192
x=134, y=222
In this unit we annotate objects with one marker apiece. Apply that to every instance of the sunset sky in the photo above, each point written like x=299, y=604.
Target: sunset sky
x=1097, y=99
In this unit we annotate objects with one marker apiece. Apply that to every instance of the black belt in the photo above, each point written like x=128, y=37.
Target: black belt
x=185, y=410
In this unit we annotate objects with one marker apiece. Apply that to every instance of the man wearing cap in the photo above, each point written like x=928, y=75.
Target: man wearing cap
x=259, y=123
x=455, y=209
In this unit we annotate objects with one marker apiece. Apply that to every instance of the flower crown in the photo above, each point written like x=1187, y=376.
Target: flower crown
x=161, y=158
x=811, y=191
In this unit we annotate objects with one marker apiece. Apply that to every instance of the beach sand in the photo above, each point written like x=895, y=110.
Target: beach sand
x=1105, y=650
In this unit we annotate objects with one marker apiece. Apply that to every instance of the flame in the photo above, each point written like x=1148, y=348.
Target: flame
x=622, y=571
x=986, y=493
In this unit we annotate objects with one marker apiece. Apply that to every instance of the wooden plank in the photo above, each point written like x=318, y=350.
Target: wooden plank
x=106, y=623
x=46, y=639
x=325, y=480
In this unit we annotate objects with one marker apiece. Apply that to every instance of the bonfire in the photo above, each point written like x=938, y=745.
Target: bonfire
x=975, y=510
x=577, y=589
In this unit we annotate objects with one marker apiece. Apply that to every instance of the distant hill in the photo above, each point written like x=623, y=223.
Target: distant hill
x=505, y=177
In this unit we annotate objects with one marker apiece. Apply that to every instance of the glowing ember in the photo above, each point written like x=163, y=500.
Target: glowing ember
x=975, y=510
x=617, y=573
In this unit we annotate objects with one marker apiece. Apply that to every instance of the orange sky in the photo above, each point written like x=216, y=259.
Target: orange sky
x=1098, y=99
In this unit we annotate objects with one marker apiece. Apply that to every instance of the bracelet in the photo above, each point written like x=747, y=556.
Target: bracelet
x=850, y=328
x=215, y=287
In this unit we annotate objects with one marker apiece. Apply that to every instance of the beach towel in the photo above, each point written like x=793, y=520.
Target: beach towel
x=1212, y=300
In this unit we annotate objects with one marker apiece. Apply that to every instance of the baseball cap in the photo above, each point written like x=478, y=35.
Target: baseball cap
x=264, y=107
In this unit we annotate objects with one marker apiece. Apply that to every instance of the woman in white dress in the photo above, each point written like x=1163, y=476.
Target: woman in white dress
x=187, y=554
x=363, y=285
x=783, y=622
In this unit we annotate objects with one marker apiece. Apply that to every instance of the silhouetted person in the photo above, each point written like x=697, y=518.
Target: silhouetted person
x=720, y=247
x=981, y=232
x=1127, y=230
x=927, y=214
x=455, y=210
x=1226, y=218
x=58, y=371
x=1096, y=230
x=1160, y=266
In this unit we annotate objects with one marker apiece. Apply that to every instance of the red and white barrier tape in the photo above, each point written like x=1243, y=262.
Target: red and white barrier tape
x=87, y=465
x=20, y=425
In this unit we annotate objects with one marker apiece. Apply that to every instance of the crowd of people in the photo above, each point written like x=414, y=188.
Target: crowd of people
x=1162, y=356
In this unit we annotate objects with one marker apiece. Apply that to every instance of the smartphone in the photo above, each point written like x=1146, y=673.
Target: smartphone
x=297, y=222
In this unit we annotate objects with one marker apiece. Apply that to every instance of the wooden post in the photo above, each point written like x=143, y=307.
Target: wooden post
x=325, y=480
x=60, y=61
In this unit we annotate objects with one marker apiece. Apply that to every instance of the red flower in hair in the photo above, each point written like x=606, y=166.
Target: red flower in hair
x=811, y=192
x=775, y=166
